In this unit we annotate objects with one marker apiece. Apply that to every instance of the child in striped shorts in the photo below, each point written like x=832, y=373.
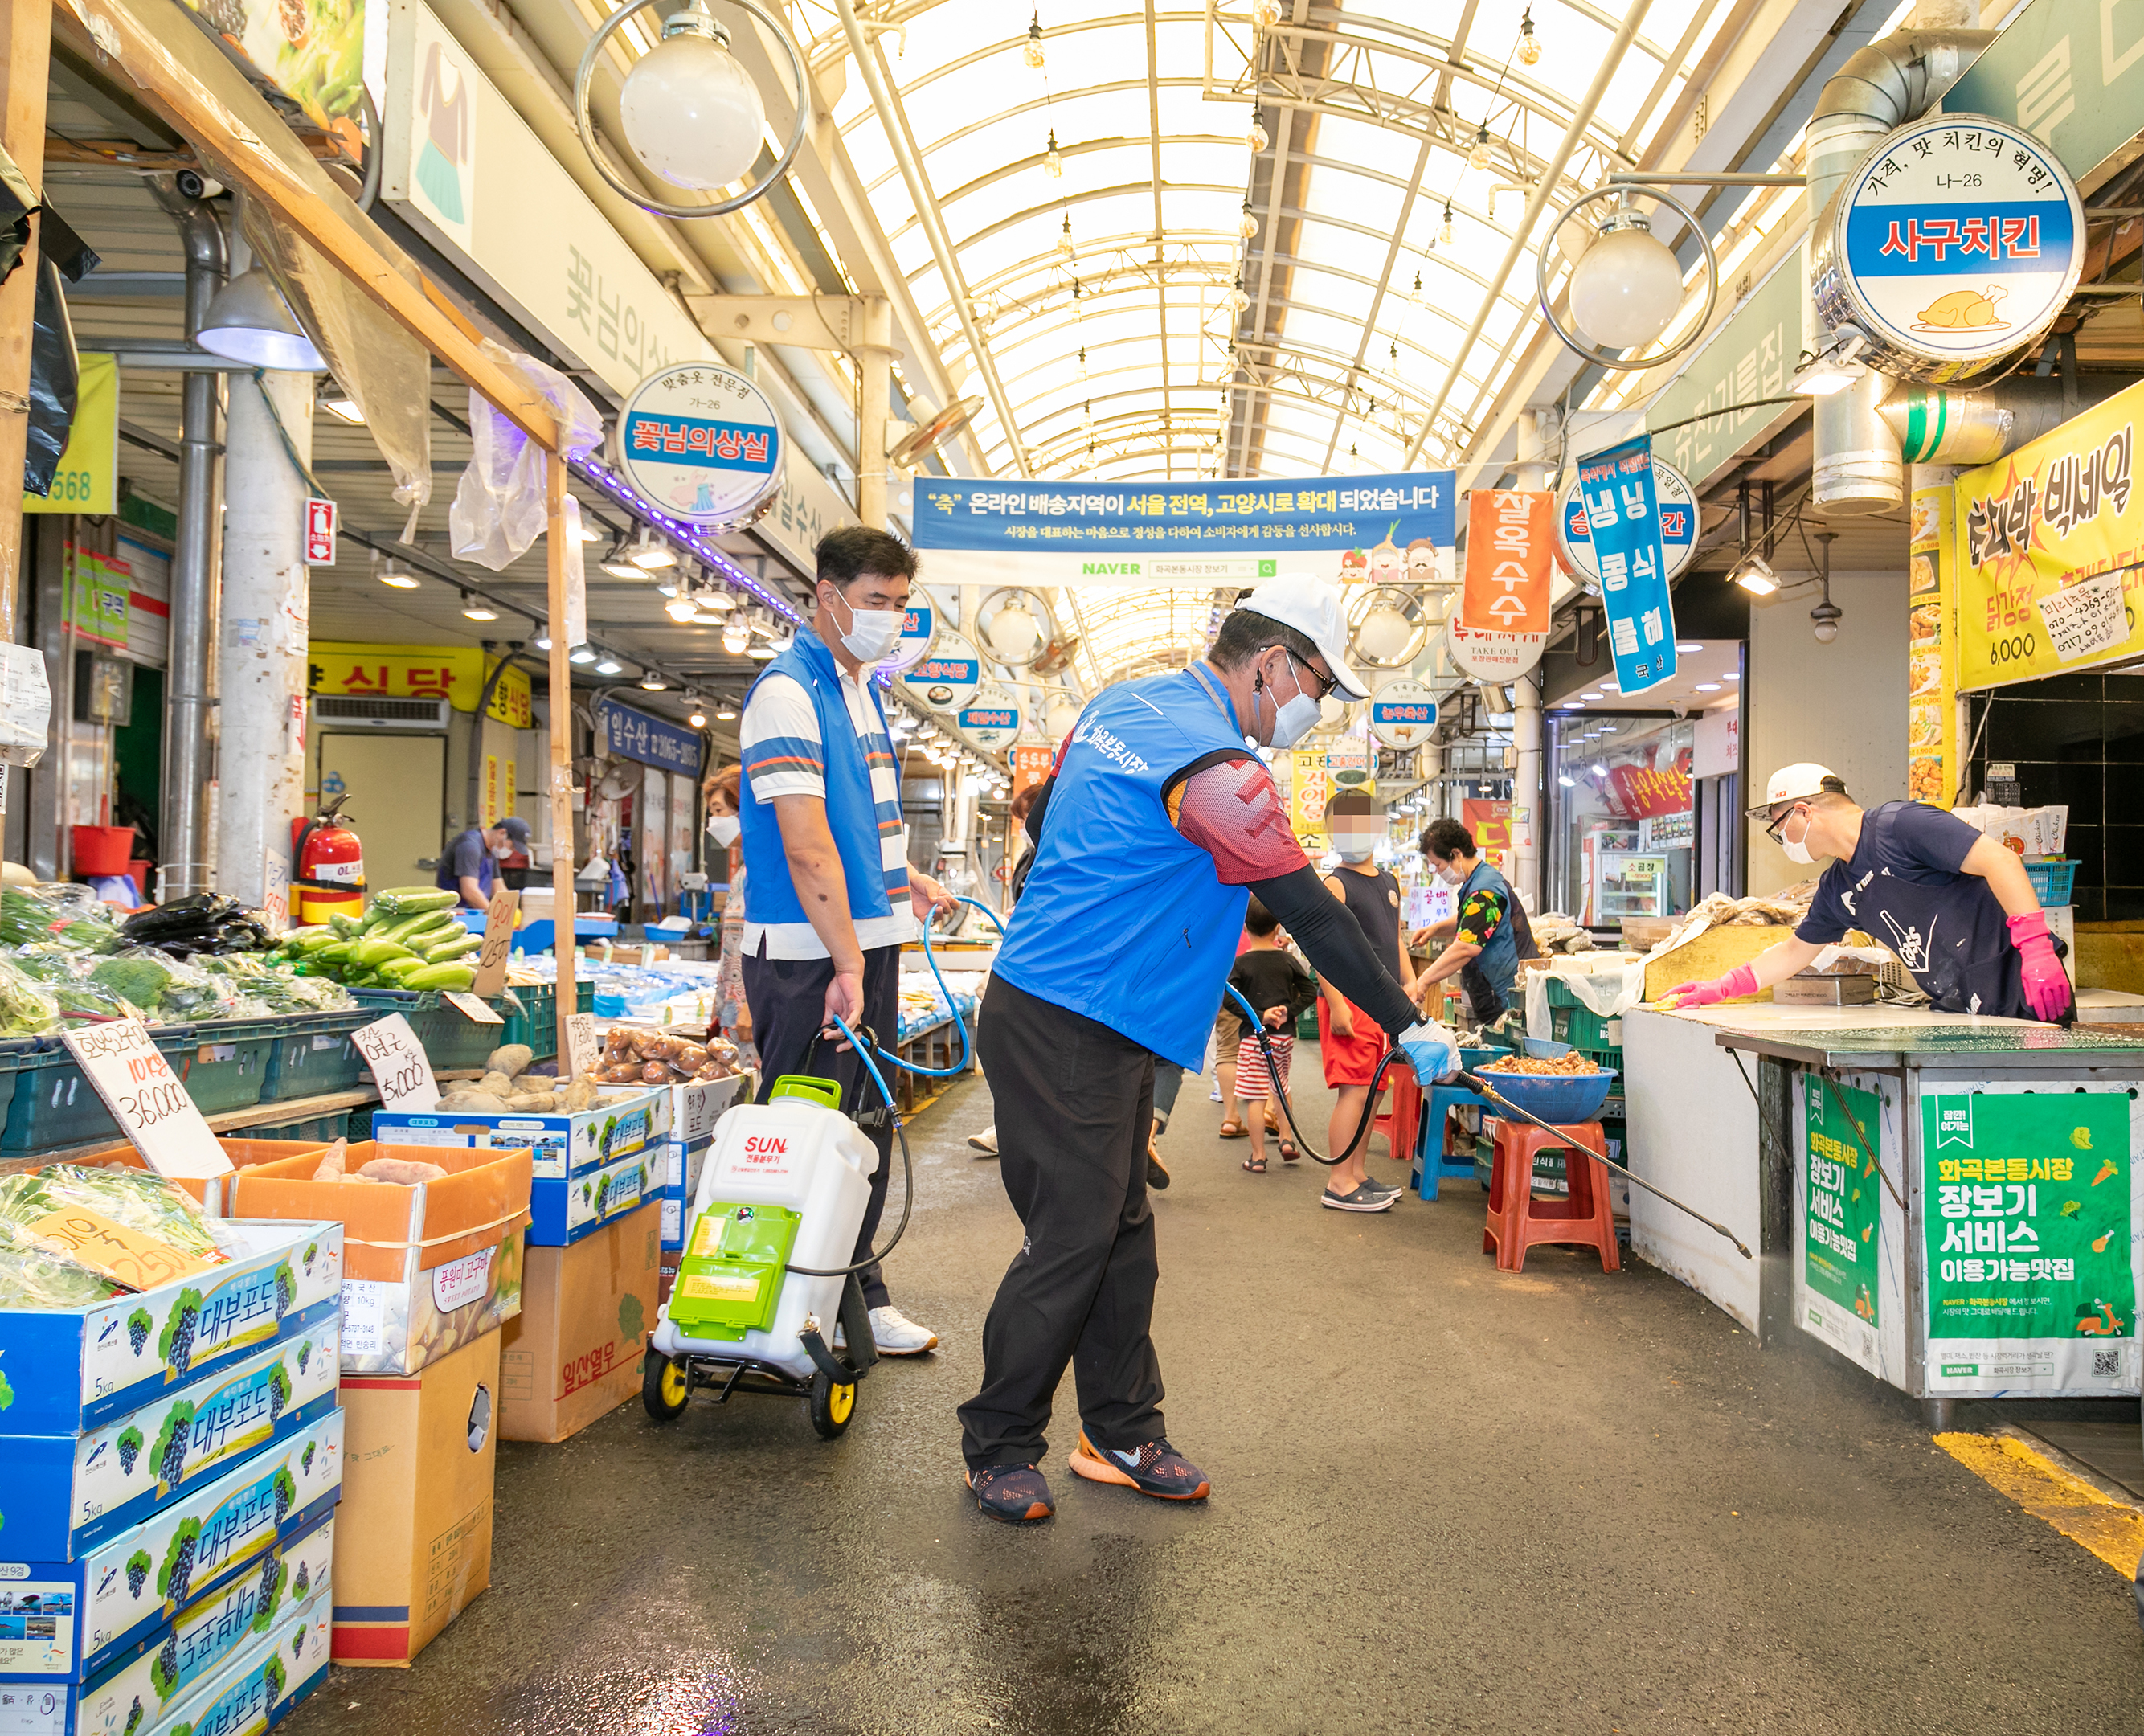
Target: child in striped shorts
x=1279, y=988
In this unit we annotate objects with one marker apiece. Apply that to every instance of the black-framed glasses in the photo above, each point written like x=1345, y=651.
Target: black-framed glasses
x=1326, y=684
x=1772, y=831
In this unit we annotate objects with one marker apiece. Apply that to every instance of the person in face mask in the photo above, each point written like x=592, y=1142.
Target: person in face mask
x=832, y=896
x=1490, y=932
x=1955, y=905
x=726, y=858
x=468, y=865
x=1158, y=823
x=1350, y=1042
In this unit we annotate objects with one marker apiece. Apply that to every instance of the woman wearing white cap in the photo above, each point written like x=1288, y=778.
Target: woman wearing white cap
x=1955, y=905
x=1158, y=823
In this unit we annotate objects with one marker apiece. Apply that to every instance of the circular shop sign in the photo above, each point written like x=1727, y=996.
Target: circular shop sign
x=1494, y=657
x=1403, y=713
x=701, y=442
x=1959, y=239
x=919, y=630
x=946, y=679
x=1678, y=504
x=990, y=721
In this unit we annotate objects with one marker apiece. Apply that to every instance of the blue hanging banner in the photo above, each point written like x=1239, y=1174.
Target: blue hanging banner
x=1624, y=512
x=631, y=734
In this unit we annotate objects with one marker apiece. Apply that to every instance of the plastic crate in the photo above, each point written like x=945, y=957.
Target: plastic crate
x=2052, y=882
x=325, y=1129
x=50, y=1104
x=537, y=1026
x=1582, y=1028
x=313, y=1055
x=227, y=1064
x=449, y=1037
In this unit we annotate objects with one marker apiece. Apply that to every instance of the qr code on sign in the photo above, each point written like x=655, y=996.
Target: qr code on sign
x=2106, y=1364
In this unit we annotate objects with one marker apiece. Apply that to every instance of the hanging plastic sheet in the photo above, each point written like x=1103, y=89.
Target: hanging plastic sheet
x=385, y=370
x=500, y=508
x=55, y=367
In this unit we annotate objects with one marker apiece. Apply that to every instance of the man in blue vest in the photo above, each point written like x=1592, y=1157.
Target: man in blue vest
x=1488, y=929
x=829, y=895
x=1157, y=824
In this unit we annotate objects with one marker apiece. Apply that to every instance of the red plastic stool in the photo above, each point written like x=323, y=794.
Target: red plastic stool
x=1402, y=1123
x=1517, y=1221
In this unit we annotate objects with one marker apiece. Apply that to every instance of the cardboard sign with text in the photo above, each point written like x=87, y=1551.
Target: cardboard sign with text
x=1509, y=539
x=472, y=1008
x=125, y=1256
x=582, y=1051
x=399, y=1066
x=147, y=1099
x=491, y=958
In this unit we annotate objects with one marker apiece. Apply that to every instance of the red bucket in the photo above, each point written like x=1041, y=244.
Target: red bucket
x=103, y=848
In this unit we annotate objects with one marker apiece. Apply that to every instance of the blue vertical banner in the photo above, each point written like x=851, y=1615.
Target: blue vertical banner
x=1624, y=512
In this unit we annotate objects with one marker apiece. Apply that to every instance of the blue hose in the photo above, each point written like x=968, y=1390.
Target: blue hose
x=960, y=1024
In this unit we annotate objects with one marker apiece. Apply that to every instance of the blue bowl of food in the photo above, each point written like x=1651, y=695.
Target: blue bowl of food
x=1563, y=1099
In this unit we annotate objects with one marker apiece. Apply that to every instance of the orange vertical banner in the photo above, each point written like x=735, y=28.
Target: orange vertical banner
x=1510, y=535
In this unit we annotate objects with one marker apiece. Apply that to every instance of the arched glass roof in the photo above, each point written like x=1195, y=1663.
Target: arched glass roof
x=1119, y=322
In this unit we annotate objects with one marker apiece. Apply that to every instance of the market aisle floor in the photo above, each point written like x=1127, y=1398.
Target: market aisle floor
x=1445, y=1499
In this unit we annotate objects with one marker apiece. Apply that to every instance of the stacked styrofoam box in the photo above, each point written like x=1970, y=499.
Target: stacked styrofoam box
x=695, y=1107
x=170, y=1475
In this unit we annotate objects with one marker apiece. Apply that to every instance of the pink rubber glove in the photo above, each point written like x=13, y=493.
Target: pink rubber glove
x=1741, y=980
x=2046, y=984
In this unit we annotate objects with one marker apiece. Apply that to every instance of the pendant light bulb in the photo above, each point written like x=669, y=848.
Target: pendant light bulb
x=1066, y=247
x=1053, y=159
x=1033, y=50
x=1529, y=45
x=1478, y=157
x=691, y=114
x=1445, y=230
x=1238, y=298
x=1258, y=138
x=1247, y=225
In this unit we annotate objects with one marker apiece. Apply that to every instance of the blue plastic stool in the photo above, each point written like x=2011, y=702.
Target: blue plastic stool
x=1432, y=1167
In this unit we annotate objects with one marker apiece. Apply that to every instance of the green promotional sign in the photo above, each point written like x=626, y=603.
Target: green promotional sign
x=1844, y=1200
x=2027, y=1218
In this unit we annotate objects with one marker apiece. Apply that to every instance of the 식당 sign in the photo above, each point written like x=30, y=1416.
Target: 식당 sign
x=946, y=680
x=1957, y=239
x=1623, y=513
x=1506, y=588
x=702, y=442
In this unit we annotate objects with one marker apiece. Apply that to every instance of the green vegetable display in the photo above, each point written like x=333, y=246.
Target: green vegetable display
x=32, y=1275
x=414, y=900
x=138, y=1199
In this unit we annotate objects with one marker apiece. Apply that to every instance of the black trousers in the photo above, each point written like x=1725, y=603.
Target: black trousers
x=1074, y=1103
x=788, y=1002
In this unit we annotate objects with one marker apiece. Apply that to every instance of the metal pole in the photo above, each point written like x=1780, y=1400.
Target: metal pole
x=874, y=370
x=1671, y=178
x=183, y=834
x=558, y=700
x=266, y=604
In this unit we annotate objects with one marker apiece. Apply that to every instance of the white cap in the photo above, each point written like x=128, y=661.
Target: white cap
x=1798, y=783
x=1311, y=607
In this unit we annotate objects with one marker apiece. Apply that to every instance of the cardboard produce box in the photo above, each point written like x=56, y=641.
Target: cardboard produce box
x=63, y=1370
x=698, y=1105
x=430, y=1267
x=64, y=1494
x=417, y=1505
x=563, y=1212
x=211, y=1193
x=127, y=1589
x=624, y=1121
x=586, y=1314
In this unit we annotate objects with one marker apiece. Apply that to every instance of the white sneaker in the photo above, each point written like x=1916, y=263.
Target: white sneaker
x=986, y=1141
x=896, y=1335
x=1215, y=1095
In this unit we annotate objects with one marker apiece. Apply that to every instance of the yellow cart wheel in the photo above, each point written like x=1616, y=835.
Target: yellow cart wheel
x=832, y=1406
x=665, y=1385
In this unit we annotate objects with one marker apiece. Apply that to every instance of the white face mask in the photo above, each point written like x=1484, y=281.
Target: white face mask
x=1797, y=849
x=872, y=633
x=1354, y=846
x=1450, y=876
x=723, y=829
x=1298, y=718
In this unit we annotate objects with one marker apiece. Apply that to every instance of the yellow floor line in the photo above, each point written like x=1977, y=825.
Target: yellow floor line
x=2113, y=1532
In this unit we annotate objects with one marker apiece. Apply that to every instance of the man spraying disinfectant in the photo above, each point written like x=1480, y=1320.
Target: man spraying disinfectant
x=1956, y=906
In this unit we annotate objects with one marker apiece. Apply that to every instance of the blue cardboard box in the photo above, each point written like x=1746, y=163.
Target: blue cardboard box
x=63, y=1370
x=62, y=1494
x=562, y=1146
x=561, y=1213
x=63, y=1621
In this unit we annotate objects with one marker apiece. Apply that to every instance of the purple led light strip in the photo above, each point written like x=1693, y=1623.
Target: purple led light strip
x=588, y=470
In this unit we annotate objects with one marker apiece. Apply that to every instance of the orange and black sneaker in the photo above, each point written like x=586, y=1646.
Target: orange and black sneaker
x=1017, y=1494
x=1154, y=1468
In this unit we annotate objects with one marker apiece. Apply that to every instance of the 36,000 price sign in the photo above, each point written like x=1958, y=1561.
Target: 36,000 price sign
x=147, y=1099
x=399, y=1066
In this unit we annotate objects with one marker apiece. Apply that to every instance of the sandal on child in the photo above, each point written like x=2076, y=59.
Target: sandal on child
x=1288, y=1154
x=1257, y=1166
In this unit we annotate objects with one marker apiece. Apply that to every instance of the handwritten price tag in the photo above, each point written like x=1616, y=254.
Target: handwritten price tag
x=582, y=1047
x=124, y=1255
x=498, y=942
x=399, y=1066
x=147, y=1099
x=473, y=1009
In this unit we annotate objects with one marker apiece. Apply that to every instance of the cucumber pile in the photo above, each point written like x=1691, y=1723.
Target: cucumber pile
x=409, y=938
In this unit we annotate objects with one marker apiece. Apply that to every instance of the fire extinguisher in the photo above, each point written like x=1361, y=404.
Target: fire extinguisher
x=327, y=871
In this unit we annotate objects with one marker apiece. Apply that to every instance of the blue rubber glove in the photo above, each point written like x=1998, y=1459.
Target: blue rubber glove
x=1429, y=1051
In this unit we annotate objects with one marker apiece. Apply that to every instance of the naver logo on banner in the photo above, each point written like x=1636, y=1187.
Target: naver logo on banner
x=1110, y=569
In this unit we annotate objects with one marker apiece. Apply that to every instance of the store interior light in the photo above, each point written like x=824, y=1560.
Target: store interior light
x=339, y=403
x=1833, y=370
x=581, y=654
x=725, y=712
x=1687, y=649
x=395, y=579
x=1734, y=675
x=1599, y=770
x=542, y=641
x=691, y=113
x=249, y=321
x=715, y=603
x=761, y=653
x=652, y=681
x=696, y=714
x=1707, y=687
x=651, y=556
x=681, y=609
x=1568, y=782
x=475, y=608
x=588, y=533
x=610, y=666
x=1627, y=286
x=1755, y=574
x=736, y=634
x=617, y=563
x=1013, y=633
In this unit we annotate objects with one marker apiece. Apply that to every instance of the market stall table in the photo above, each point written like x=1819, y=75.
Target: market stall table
x=1975, y=1259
